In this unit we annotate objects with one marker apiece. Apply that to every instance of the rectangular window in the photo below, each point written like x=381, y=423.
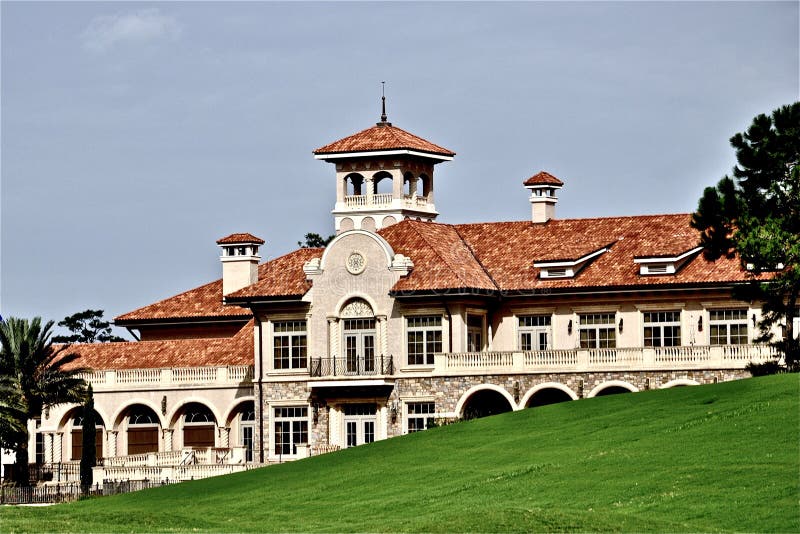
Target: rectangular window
x=291, y=429
x=534, y=332
x=662, y=329
x=424, y=339
x=289, y=345
x=728, y=327
x=474, y=333
x=420, y=415
x=597, y=331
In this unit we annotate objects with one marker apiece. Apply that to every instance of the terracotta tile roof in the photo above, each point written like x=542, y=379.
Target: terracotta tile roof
x=199, y=303
x=543, y=178
x=281, y=277
x=236, y=350
x=240, y=238
x=441, y=258
x=383, y=136
x=508, y=250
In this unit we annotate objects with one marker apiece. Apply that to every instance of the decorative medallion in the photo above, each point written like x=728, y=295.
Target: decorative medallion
x=356, y=263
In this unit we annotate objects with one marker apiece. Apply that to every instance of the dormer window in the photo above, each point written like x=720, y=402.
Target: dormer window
x=663, y=264
x=566, y=268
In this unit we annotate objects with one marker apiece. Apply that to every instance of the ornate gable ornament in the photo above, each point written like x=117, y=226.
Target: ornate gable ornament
x=357, y=309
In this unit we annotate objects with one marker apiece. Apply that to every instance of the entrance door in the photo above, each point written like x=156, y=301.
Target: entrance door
x=359, y=424
x=359, y=344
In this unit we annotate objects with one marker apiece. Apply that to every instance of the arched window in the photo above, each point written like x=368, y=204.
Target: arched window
x=358, y=330
x=142, y=431
x=76, y=435
x=199, y=425
x=353, y=184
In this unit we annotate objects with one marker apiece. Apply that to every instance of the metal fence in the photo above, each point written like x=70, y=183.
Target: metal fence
x=352, y=366
x=58, y=493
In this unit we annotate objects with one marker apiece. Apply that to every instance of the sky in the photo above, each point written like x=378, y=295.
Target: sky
x=134, y=135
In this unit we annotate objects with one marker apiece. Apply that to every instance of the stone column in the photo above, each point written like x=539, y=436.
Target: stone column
x=225, y=436
x=383, y=338
x=166, y=434
x=370, y=186
x=58, y=438
x=111, y=438
x=48, y=448
x=333, y=337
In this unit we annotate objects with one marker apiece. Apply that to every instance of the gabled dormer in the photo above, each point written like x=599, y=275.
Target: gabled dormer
x=660, y=265
x=567, y=268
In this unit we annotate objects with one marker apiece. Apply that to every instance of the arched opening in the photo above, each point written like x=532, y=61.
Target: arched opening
x=382, y=183
x=358, y=336
x=243, y=428
x=546, y=396
x=409, y=185
x=199, y=426
x=354, y=184
x=427, y=185
x=76, y=435
x=485, y=402
x=142, y=429
x=612, y=390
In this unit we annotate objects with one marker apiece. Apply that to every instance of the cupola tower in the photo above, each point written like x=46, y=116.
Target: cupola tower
x=543, y=187
x=383, y=175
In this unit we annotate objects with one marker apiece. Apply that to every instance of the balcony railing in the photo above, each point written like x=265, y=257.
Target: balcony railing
x=586, y=360
x=384, y=200
x=185, y=376
x=352, y=366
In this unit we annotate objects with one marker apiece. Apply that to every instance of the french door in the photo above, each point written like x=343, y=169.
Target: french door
x=359, y=424
x=359, y=346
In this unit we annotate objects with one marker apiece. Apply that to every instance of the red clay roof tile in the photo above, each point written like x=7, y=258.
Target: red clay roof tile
x=382, y=137
x=543, y=178
x=281, y=277
x=239, y=238
x=236, y=350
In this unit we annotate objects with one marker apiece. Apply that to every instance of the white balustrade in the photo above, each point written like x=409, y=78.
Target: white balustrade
x=472, y=360
x=551, y=358
x=382, y=199
x=182, y=377
x=355, y=201
x=590, y=360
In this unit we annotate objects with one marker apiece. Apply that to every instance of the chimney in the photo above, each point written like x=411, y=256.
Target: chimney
x=239, y=261
x=543, y=187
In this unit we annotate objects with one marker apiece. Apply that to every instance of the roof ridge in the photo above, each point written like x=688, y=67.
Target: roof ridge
x=601, y=218
x=444, y=260
x=472, y=252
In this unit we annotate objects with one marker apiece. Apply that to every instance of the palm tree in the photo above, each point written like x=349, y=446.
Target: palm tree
x=40, y=375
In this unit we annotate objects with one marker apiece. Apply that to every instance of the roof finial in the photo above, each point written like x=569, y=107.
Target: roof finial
x=383, y=102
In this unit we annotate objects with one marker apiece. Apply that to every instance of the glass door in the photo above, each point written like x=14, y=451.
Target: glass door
x=359, y=424
x=359, y=346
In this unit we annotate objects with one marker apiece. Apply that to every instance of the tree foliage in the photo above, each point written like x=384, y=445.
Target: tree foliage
x=38, y=375
x=313, y=240
x=755, y=214
x=87, y=326
x=89, y=435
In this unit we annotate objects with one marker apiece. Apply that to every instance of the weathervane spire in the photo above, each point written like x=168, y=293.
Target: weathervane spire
x=383, y=102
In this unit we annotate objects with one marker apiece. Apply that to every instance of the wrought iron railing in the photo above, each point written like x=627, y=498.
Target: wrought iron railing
x=352, y=366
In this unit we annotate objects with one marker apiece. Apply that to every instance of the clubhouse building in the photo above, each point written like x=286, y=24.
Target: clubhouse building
x=400, y=322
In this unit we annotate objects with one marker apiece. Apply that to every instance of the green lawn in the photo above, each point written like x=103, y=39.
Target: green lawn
x=724, y=457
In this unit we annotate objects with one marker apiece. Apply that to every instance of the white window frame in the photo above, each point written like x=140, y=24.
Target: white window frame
x=660, y=323
x=291, y=334
x=407, y=415
x=273, y=419
x=428, y=358
x=597, y=327
x=727, y=322
x=534, y=330
x=472, y=330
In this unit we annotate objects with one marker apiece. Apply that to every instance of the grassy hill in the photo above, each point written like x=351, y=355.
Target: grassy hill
x=723, y=457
